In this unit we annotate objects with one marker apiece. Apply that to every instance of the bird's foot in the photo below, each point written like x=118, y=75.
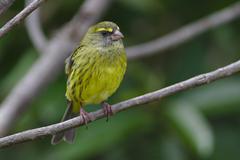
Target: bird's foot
x=86, y=116
x=107, y=109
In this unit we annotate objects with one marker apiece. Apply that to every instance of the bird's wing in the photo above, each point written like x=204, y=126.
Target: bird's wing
x=69, y=61
x=68, y=65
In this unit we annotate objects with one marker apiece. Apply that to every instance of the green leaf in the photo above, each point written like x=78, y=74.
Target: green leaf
x=192, y=128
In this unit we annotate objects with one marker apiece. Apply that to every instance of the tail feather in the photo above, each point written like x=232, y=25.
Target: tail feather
x=67, y=135
x=57, y=138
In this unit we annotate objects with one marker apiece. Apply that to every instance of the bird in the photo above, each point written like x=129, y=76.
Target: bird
x=94, y=72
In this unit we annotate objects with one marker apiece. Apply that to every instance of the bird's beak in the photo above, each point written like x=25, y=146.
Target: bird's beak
x=117, y=35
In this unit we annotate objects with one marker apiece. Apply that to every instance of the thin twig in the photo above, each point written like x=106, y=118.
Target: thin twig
x=4, y=5
x=49, y=65
x=150, y=97
x=34, y=29
x=185, y=33
x=20, y=16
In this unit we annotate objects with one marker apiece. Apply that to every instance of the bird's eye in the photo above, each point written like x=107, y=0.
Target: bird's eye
x=105, y=33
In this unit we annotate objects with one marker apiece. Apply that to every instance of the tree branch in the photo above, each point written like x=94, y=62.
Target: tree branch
x=20, y=16
x=48, y=66
x=185, y=33
x=34, y=29
x=146, y=98
x=4, y=5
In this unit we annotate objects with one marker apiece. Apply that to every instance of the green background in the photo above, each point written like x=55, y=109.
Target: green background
x=201, y=123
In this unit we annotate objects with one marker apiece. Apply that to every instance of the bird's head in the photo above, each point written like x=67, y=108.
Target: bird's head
x=104, y=33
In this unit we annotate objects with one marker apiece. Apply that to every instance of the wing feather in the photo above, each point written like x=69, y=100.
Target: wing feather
x=69, y=61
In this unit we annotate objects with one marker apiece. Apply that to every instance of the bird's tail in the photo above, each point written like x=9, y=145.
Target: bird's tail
x=67, y=135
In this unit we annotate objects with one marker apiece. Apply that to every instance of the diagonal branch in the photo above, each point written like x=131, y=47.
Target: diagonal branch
x=4, y=5
x=20, y=16
x=185, y=33
x=149, y=97
x=47, y=67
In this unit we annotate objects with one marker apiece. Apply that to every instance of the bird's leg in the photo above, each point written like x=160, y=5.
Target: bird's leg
x=107, y=109
x=86, y=116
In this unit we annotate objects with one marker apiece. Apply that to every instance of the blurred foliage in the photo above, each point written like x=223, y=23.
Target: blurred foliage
x=198, y=124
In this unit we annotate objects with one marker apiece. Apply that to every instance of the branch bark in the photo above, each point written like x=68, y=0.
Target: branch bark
x=48, y=66
x=34, y=29
x=4, y=5
x=185, y=33
x=146, y=98
x=20, y=16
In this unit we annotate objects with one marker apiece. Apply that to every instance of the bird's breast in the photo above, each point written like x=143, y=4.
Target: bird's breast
x=97, y=79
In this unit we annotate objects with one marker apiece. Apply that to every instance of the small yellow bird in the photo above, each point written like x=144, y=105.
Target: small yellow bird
x=95, y=70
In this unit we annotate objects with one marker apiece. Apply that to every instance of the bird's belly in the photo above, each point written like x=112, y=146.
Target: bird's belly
x=102, y=85
x=97, y=97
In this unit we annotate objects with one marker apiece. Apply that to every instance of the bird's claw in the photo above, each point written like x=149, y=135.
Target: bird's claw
x=86, y=117
x=107, y=109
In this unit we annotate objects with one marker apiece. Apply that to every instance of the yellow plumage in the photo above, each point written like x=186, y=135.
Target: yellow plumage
x=95, y=75
x=95, y=71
